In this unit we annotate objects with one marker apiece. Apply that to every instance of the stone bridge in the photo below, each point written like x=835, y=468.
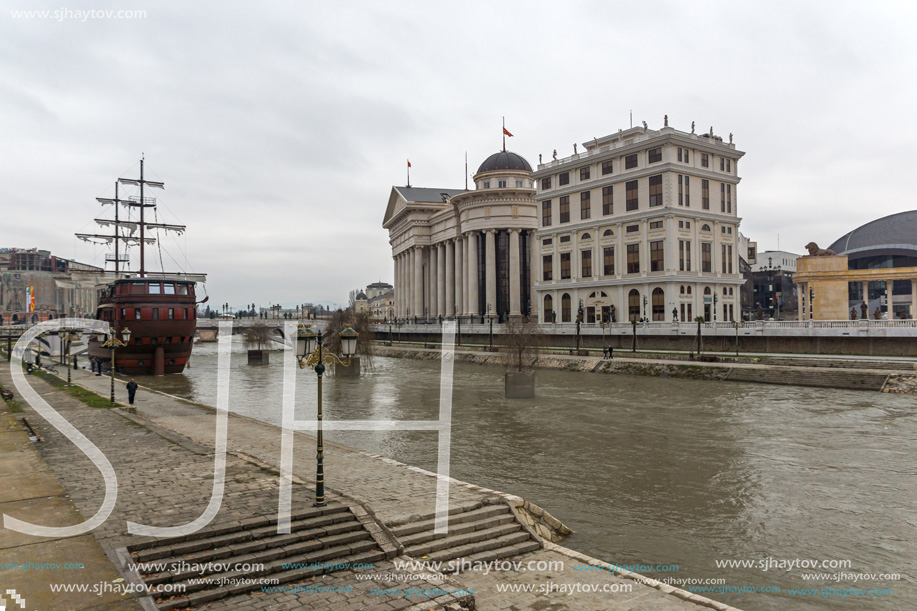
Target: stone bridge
x=207, y=328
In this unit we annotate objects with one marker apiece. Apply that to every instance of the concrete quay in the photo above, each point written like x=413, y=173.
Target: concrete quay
x=163, y=459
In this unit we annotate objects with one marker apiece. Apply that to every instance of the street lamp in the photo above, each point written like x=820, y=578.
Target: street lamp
x=67, y=335
x=490, y=316
x=316, y=357
x=113, y=343
x=736, y=325
x=604, y=325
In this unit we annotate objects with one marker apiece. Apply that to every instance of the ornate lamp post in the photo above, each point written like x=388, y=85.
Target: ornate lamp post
x=113, y=343
x=68, y=335
x=316, y=357
x=490, y=317
x=604, y=325
x=736, y=325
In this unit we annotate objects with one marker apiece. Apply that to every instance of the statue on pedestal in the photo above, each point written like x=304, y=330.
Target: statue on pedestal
x=692, y=127
x=666, y=120
x=815, y=251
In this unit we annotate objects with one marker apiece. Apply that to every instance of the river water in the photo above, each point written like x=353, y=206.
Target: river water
x=653, y=471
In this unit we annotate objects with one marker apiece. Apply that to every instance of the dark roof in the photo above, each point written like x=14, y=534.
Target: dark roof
x=361, y=295
x=380, y=285
x=427, y=194
x=895, y=232
x=505, y=160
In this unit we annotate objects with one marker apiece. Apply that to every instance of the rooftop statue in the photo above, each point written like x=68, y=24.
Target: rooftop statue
x=666, y=119
x=815, y=251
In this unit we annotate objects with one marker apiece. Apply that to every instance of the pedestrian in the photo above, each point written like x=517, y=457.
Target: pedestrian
x=611, y=354
x=604, y=353
x=131, y=392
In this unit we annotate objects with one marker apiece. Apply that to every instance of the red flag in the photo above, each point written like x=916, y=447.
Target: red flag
x=409, y=163
x=506, y=132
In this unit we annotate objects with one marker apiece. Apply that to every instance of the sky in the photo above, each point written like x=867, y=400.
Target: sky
x=280, y=128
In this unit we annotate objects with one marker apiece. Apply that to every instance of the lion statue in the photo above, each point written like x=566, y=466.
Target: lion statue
x=815, y=251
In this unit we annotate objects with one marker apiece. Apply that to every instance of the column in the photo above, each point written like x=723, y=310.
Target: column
x=428, y=280
x=434, y=280
x=459, y=276
x=397, y=263
x=913, y=312
x=865, y=289
x=515, y=273
x=417, y=309
x=534, y=273
x=441, y=279
x=450, y=279
x=800, y=295
x=473, y=273
x=490, y=271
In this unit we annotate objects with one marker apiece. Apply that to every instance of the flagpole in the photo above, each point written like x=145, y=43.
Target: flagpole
x=466, y=170
x=409, y=173
x=504, y=134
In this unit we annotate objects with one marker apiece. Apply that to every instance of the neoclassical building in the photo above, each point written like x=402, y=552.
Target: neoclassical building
x=641, y=224
x=466, y=252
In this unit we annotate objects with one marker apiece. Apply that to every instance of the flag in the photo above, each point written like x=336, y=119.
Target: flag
x=409, y=163
x=31, y=298
x=506, y=132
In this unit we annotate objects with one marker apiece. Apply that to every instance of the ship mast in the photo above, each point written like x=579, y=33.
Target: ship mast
x=143, y=204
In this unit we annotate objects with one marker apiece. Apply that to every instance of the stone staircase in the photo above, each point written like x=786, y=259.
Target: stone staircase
x=319, y=537
x=846, y=379
x=477, y=533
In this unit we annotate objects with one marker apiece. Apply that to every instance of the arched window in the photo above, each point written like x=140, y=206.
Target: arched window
x=658, y=304
x=705, y=227
x=725, y=291
x=548, y=308
x=565, y=308
x=633, y=304
x=592, y=295
x=608, y=233
x=689, y=289
x=682, y=291
x=34, y=318
x=730, y=291
x=586, y=236
x=706, y=290
x=15, y=317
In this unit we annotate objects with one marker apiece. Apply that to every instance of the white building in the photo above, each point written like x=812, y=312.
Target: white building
x=772, y=259
x=459, y=252
x=641, y=224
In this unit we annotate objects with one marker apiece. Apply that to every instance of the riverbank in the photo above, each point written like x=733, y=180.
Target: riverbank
x=726, y=368
x=162, y=458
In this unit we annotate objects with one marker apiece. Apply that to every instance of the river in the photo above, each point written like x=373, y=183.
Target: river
x=653, y=471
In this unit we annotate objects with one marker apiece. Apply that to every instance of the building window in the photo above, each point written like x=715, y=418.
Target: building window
x=584, y=173
x=585, y=236
x=633, y=304
x=681, y=189
x=564, y=266
x=607, y=167
x=727, y=259
x=548, y=308
x=487, y=184
x=564, y=238
x=684, y=255
x=706, y=257
x=633, y=258
x=679, y=154
x=518, y=184
x=608, y=261
x=722, y=197
x=722, y=164
x=657, y=260
x=608, y=233
x=632, y=202
x=729, y=198
x=501, y=184
x=705, y=194
x=565, y=209
x=630, y=161
x=565, y=308
x=608, y=200
x=545, y=183
x=586, y=264
x=729, y=165
x=632, y=228
x=658, y=304
x=547, y=241
x=656, y=225
x=656, y=155
x=705, y=227
x=656, y=190
x=547, y=263
x=704, y=160
x=563, y=179
x=585, y=204
x=546, y=213
x=687, y=191
x=683, y=155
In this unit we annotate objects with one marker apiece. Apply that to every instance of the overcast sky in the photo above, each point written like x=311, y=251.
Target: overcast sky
x=280, y=129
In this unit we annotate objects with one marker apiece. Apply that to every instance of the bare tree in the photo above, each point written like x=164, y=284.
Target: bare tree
x=361, y=323
x=258, y=337
x=521, y=338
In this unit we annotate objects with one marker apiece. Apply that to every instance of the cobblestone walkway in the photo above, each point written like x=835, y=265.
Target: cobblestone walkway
x=163, y=458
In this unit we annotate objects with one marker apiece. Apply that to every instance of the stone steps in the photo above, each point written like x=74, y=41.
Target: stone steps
x=476, y=534
x=849, y=380
x=232, y=558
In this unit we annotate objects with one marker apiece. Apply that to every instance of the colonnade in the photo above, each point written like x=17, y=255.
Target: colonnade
x=445, y=278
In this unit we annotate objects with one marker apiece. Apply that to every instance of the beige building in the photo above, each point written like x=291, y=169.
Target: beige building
x=640, y=224
x=465, y=252
x=382, y=306
x=873, y=275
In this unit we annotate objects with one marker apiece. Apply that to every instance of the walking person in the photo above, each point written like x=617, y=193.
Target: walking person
x=131, y=393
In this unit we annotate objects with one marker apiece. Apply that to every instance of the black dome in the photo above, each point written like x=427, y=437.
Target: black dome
x=505, y=160
x=895, y=232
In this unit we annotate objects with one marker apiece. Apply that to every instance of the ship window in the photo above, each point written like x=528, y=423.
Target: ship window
x=171, y=361
x=171, y=313
x=139, y=363
x=182, y=289
x=136, y=313
x=155, y=288
x=184, y=313
x=169, y=340
x=154, y=340
x=138, y=288
x=155, y=313
x=123, y=313
x=193, y=313
x=169, y=289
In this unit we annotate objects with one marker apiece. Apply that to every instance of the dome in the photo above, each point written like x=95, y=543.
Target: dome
x=897, y=232
x=505, y=160
x=361, y=296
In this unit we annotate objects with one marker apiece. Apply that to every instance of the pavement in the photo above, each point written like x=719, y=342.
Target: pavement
x=163, y=459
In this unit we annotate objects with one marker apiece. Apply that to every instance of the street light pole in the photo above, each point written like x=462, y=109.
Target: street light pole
x=113, y=343
x=737, y=337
